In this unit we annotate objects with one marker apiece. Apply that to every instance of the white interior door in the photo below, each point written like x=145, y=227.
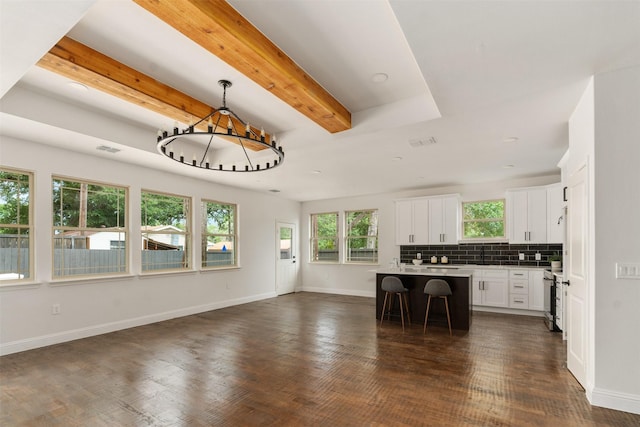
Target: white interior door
x=577, y=302
x=286, y=267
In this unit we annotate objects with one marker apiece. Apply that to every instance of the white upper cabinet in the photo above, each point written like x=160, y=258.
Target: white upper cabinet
x=412, y=222
x=555, y=214
x=527, y=215
x=444, y=220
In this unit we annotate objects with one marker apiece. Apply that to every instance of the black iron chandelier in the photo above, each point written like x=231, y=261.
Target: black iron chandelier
x=196, y=146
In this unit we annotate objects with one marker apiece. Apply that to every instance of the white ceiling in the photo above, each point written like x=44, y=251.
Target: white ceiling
x=468, y=73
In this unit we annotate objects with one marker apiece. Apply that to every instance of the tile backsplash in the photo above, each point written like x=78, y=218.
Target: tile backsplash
x=486, y=254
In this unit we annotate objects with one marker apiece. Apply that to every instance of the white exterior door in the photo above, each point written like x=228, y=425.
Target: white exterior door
x=286, y=267
x=577, y=267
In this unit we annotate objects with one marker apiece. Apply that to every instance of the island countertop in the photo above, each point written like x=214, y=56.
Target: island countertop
x=426, y=271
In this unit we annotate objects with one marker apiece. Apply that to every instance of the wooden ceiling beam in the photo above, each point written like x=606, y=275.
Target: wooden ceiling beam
x=90, y=67
x=219, y=28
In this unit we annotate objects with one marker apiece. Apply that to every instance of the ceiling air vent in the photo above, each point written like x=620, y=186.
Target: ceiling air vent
x=422, y=142
x=107, y=149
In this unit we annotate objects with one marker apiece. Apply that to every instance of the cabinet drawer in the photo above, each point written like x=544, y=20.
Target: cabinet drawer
x=519, y=287
x=519, y=301
x=519, y=274
x=495, y=274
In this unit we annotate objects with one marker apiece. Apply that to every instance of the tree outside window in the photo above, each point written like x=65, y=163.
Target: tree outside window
x=324, y=237
x=483, y=220
x=15, y=226
x=89, y=229
x=166, y=232
x=361, y=236
x=218, y=235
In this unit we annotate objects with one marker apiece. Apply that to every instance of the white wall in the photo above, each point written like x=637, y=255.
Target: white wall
x=90, y=307
x=617, y=238
x=360, y=280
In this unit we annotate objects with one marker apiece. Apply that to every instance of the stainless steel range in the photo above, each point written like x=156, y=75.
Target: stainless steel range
x=550, y=301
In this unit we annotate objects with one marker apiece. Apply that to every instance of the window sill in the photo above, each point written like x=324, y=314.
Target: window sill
x=166, y=273
x=89, y=279
x=213, y=270
x=324, y=263
x=14, y=286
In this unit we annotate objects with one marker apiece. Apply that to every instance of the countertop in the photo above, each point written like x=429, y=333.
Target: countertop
x=419, y=270
x=453, y=270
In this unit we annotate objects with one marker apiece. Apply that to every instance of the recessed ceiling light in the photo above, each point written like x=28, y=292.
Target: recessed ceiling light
x=396, y=159
x=78, y=86
x=379, y=78
x=316, y=172
x=510, y=139
x=273, y=190
x=508, y=166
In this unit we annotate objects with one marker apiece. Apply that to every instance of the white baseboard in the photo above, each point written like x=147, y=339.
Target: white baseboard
x=502, y=310
x=614, y=400
x=74, y=334
x=339, y=291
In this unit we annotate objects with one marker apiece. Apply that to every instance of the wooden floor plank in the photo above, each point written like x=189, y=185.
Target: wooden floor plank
x=302, y=360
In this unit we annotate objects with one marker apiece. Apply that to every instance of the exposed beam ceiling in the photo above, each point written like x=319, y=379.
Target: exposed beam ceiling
x=220, y=29
x=85, y=65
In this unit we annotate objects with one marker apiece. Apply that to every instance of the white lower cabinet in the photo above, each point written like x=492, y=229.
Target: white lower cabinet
x=536, y=290
x=520, y=288
x=491, y=288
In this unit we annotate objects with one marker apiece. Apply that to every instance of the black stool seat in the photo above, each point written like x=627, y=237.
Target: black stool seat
x=438, y=288
x=392, y=286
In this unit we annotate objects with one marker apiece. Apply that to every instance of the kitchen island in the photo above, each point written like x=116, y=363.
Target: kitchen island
x=414, y=279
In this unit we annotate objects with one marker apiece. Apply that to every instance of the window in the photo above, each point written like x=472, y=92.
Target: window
x=87, y=219
x=166, y=235
x=361, y=236
x=483, y=220
x=15, y=226
x=324, y=237
x=218, y=235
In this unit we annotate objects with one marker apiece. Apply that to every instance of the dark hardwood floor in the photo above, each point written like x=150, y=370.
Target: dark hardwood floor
x=301, y=360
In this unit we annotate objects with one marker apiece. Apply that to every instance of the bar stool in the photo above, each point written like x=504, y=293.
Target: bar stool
x=393, y=286
x=440, y=289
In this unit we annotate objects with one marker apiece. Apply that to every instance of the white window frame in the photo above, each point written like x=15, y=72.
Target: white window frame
x=186, y=263
x=122, y=230
x=18, y=276
x=206, y=235
x=370, y=237
x=313, y=240
x=502, y=219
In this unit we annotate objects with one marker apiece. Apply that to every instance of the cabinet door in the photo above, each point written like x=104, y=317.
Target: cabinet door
x=496, y=292
x=421, y=222
x=404, y=222
x=517, y=219
x=537, y=215
x=443, y=220
x=556, y=220
x=451, y=223
x=536, y=290
x=476, y=284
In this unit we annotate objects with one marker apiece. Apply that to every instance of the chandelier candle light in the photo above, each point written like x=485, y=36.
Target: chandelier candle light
x=222, y=123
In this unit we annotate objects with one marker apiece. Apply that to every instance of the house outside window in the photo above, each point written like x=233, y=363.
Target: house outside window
x=16, y=248
x=219, y=238
x=361, y=236
x=324, y=237
x=87, y=218
x=166, y=232
x=483, y=219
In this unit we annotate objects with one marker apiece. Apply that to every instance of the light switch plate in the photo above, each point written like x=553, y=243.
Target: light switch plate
x=538, y=256
x=627, y=270
x=521, y=256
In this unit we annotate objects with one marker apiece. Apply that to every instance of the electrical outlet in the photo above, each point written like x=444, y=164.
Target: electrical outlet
x=521, y=256
x=55, y=309
x=538, y=256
